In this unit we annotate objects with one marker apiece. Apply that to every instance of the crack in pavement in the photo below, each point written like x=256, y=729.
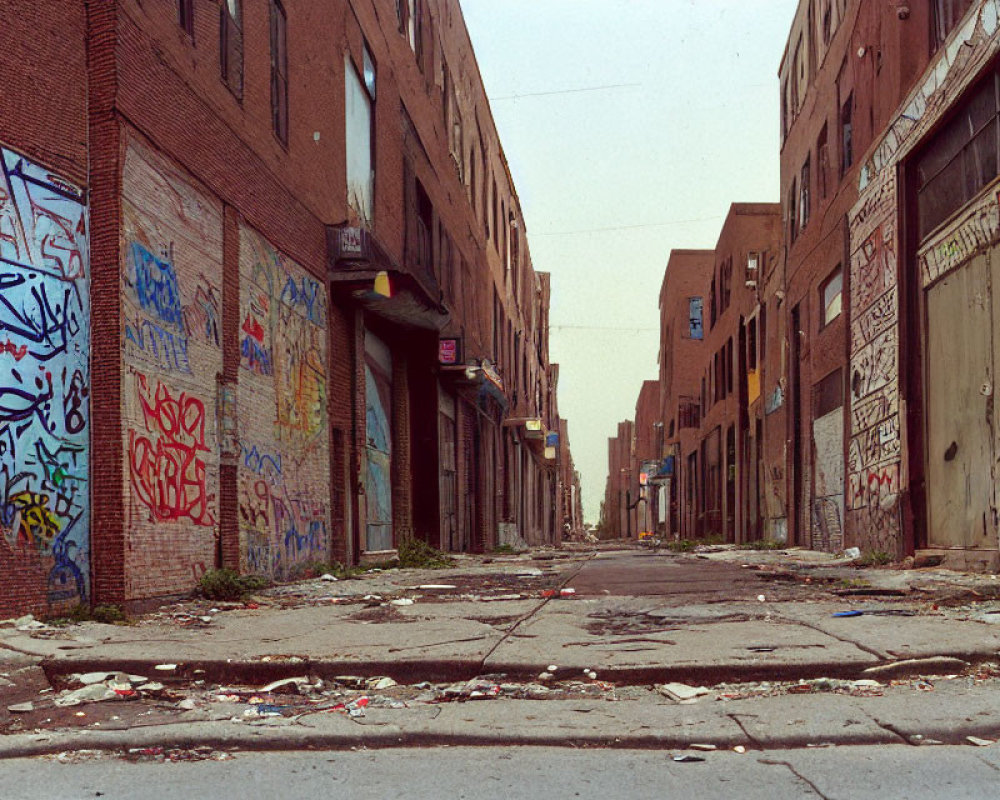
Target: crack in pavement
x=845, y=640
x=890, y=728
x=750, y=737
x=511, y=632
x=796, y=773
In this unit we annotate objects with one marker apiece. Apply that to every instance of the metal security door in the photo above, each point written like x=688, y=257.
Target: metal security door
x=958, y=392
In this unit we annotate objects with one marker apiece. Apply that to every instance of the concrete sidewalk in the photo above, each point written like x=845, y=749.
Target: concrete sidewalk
x=508, y=617
x=449, y=634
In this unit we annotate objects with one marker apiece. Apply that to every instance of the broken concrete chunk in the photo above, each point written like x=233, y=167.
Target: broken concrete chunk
x=681, y=692
x=21, y=708
x=94, y=693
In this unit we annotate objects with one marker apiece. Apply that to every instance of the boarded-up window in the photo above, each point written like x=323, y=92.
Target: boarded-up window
x=829, y=393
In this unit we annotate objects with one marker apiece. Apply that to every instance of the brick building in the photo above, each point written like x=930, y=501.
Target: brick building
x=846, y=67
x=682, y=334
x=267, y=296
x=890, y=142
x=621, y=488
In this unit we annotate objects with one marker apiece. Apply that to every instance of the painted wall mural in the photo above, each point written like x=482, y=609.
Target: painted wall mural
x=171, y=309
x=876, y=450
x=44, y=376
x=284, y=464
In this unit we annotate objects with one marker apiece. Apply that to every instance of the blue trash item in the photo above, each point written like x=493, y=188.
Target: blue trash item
x=849, y=613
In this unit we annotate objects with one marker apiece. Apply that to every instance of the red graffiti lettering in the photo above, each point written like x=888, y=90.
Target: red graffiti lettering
x=253, y=328
x=14, y=350
x=167, y=471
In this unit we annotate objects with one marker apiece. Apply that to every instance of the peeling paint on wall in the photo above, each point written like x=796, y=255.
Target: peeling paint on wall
x=44, y=376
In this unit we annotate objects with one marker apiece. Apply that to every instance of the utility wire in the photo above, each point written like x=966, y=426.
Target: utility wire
x=625, y=227
x=566, y=91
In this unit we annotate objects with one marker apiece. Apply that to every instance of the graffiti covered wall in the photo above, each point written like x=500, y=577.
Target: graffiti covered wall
x=44, y=387
x=284, y=463
x=875, y=460
x=171, y=272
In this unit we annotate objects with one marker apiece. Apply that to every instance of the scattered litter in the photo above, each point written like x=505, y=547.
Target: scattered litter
x=592, y=675
x=187, y=704
x=687, y=759
x=95, y=693
x=848, y=614
x=704, y=747
x=567, y=592
x=979, y=742
x=89, y=678
x=547, y=593
x=552, y=668
x=681, y=692
x=761, y=598
x=378, y=684
x=739, y=749
x=165, y=667
x=402, y=601
x=852, y=552
x=287, y=684
x=432, y=586
x=545, y=676
x=761, y=649
x=21, y=708
x=926, y=666
x=326, y=576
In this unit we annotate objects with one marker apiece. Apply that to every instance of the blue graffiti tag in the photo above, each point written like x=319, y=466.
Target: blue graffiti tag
x=156, y=286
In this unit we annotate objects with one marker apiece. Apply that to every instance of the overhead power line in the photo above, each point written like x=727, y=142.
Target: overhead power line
x=626, y=227
x=567, y=91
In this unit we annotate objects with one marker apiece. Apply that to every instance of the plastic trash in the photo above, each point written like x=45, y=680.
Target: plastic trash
x=849, y=613
x=852, y=552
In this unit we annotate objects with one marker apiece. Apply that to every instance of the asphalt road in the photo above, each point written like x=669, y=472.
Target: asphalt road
x=648, y=573
x=875, y=773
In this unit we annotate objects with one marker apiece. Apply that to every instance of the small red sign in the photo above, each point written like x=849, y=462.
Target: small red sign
x=448, y=351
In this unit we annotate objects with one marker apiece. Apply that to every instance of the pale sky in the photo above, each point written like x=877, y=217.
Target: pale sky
x=611, y=180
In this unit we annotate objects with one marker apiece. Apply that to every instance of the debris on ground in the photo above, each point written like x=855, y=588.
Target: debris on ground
x=682, y=693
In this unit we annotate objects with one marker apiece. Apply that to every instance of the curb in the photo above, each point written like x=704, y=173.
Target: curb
x=455, y=670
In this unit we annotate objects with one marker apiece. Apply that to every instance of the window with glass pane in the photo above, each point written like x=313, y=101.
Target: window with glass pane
x=831, y=293
x=961, y=159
